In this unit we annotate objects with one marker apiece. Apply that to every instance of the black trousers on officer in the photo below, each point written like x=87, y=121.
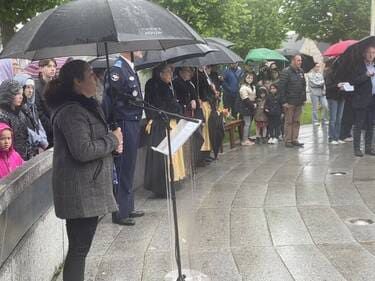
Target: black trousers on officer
x=125, y=168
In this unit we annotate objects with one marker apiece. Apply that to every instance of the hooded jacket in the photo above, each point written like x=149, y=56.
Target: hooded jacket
x=37, y=134
x=9, y=160
x=16, y=119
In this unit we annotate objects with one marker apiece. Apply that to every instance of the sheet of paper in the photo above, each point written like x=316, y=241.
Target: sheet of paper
x=347, y=87
x=179, y=136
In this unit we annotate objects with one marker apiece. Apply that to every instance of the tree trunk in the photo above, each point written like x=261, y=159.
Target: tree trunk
x=7, y=31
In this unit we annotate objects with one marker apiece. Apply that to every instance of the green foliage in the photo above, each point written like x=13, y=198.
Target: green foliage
x=247, y=23
x=13, y=12
x=328, y=20
x=16, y=11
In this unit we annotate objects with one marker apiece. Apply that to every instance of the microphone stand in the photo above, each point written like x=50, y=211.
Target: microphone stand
x=165, y=116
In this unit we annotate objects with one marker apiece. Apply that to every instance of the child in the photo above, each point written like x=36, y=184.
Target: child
x=273, y=109
x=9, y=158
x=247, y=105
x=260, y=116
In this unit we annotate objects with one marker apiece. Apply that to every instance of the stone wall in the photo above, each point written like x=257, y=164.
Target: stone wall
x=33, y=240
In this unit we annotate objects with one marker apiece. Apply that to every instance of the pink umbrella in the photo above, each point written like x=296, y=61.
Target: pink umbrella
x=338, y=48
x=33, y=68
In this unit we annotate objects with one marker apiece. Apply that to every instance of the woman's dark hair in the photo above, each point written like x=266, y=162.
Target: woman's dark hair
x=274, y=85
x=45, y=62
x=247, y=73
x=60, y=89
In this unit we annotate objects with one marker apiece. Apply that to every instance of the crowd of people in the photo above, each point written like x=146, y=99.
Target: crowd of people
x=92, y=120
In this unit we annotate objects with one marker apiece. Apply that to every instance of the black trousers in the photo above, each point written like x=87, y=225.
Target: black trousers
x=80, y=235
x=274, y=125
x=229, y=102
x=347, y=119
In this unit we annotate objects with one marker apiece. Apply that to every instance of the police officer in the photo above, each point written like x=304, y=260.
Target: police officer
x=119, y=112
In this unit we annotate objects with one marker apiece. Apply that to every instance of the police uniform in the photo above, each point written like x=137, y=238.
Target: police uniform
x=125, y=85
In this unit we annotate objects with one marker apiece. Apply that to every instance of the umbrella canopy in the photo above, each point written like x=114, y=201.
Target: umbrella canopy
x=220, y=41
x=339, y=48
x=172, y=55
x=85, y=27
x=308, y=62
x=344, y=64
x=222, y=56
x=33, y=68
x=262, y=54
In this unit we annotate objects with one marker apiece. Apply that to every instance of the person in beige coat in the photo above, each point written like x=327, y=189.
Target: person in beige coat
x=247, y=105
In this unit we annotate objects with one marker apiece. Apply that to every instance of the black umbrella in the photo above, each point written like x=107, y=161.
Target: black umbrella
x=89, y=27
x=343, y=65
x=172, y=55
x=308, y=62
x=222, y=56
x=220, y=41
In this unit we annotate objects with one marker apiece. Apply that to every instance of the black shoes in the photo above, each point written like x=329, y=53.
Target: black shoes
x=297, y=143
x=136, y=214
x=358, y=153
x=127, y=221
x=289, y=145
x=370, y=152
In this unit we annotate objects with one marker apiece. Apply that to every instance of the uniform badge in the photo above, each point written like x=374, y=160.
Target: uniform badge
x=131, y=78
x=135, y=93
x=115, y=77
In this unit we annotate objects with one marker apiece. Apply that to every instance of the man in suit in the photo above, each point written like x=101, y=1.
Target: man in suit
x=363, y=102
x=119, y=112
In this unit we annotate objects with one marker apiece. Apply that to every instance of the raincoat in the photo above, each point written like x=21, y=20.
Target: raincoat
x=9, y=160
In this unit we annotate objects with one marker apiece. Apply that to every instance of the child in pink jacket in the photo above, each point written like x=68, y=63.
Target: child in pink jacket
x=9, y=158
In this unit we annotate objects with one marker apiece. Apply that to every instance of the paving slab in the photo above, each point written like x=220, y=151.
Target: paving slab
x=260, y=264
x=307, y=263
x=287, y=227
x=351, y=260
x=325, y=226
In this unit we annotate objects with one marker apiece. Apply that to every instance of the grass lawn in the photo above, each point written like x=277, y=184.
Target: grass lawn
x=306, y=118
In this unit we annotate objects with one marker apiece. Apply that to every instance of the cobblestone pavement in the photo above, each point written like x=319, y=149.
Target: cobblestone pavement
x=263, y=213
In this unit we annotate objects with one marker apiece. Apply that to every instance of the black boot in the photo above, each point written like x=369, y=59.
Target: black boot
x=369, y=141
x=357, y=141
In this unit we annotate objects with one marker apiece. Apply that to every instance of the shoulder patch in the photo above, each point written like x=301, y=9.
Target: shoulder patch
x=118, y=63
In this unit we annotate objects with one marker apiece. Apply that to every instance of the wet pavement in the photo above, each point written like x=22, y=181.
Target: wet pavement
x=263, y=213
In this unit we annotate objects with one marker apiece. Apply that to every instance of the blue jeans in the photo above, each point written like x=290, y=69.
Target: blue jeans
x=316, y=100
x=336, y=109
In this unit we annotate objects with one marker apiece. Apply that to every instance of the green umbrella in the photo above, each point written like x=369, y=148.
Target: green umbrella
x=263, y=54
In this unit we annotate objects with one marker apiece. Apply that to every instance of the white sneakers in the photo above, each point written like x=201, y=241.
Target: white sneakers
x=337, y=142
x=273, y=141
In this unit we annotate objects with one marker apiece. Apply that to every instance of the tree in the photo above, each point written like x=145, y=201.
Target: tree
x=13, y=12
x=328, y=20
x=247, y=23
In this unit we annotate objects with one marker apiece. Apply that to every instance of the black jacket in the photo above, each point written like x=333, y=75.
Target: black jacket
x=185, y=92
x=292, y=86
x=332, y=91
x=362, y=96
x=160, y=95
x=273, y=105
x=16, y=119
x=44, y=112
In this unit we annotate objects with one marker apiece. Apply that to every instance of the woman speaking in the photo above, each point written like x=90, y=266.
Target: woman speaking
x=82, y=160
